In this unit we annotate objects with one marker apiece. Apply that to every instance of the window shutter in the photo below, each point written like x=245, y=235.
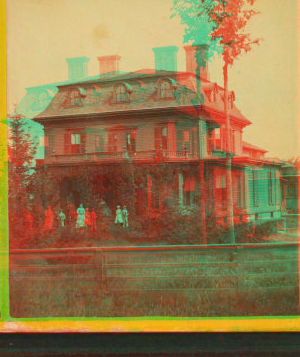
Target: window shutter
x=67, y=143
x=179, y=137
x=82, y=141
x=157, y=138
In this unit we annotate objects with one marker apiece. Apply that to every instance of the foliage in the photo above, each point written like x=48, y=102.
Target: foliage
x=194, y=15
x=21, y=151
x=218, y=23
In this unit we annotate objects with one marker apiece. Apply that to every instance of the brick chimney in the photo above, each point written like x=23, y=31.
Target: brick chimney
x=109, y=64
x=77, y=68
x=165, y=58
x=196, y=53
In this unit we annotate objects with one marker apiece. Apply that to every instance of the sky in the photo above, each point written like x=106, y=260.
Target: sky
x=41, y=34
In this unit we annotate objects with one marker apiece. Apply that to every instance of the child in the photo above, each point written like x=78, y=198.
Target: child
x=119, y=219
x=62, y=218
x=125, y=215
x=94, y=218
x=80, y=216
x=87, y=218
x=48, y=219
x=29, y=220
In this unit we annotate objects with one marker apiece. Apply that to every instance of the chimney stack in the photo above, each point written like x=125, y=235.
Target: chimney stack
x=165, y=58
x=77, y=68
x=109, y=64
x=195, y=53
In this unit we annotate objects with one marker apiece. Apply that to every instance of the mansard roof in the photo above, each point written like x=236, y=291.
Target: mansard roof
x=96, y=95
x=252, y=147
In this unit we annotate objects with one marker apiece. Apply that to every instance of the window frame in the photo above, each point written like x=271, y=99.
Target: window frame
x=124, y=93
x=255, y=201
x=270, y=188
x=166, y=93
x=75, y=149
x=240, y=199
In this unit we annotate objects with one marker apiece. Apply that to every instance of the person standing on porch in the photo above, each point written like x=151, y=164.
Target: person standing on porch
x=48, y=219
x=62, y=218
x=94, y=219
x=125, y=215
x=29, y=220
x=119, y=218
x=80, y=216
x=70, y=213
x=87, y=219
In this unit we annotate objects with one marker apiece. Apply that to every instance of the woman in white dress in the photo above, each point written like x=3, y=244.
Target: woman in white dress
x=119, y=217
x=80, y=216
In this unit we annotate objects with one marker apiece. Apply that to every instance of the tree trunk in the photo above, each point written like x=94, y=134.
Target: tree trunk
x=201, y=150
x=228, y=157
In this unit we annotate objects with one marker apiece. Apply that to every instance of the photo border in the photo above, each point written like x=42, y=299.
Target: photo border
x=137, y=324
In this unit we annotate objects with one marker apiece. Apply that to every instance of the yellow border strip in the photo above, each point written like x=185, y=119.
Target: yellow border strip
x=265, y=324
x=4, y=256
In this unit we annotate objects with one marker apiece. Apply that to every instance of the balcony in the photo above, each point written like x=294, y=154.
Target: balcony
x=119, y=157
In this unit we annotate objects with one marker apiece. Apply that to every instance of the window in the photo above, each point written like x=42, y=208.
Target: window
x=161, y=138
x=74, y=96
x=270, y=188
x=231, y=98
x=212, y=96
x=75, y=143
x=46, y=145
x=189, y=189
x=194, y=141
x=232, y=140
x=221, y=190
x=292, y=189
x=216, y=139
x=130, y=141
x=255, y=188
x=41, y=101
x=99, y=143
x=90, y=96
x=112, y=142
x=283, y=191
x=121, y=94
x=240, y=190
x=184, y=140
x=166, y=90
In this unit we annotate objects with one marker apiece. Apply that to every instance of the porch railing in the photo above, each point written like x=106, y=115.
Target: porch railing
x=151, y=155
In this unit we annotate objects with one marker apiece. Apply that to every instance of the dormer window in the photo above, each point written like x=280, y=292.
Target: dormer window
x=74, y=96
x=90, y=95
x=231, y=99
x=41, y=101
x=211, y=91
x=121, y=94
x=230, y=102
x=212, y=97
x=166, y=90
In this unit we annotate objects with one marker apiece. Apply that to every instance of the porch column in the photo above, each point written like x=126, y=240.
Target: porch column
x=202, y=200
x=247, y=191
x=180, y=188
x=149, y=190
x=202, y=138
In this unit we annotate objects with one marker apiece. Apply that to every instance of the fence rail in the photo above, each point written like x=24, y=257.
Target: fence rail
x=176, y=281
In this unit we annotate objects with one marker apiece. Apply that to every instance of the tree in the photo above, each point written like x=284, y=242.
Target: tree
x=222, y=25
x=21, y=151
